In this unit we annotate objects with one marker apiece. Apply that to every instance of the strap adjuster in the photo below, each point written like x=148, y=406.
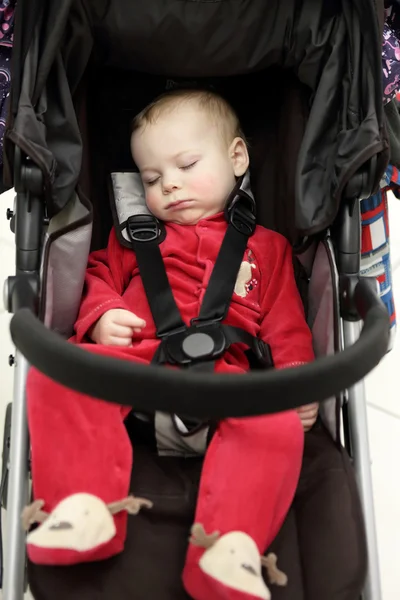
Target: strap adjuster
x=198, y=322
x=143, y=228
x=263, y=354
x=241, y=214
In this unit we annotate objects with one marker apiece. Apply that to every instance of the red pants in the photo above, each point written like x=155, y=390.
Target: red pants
x=80, y=444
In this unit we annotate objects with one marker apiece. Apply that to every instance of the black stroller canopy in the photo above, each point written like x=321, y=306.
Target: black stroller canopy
x=330, y=46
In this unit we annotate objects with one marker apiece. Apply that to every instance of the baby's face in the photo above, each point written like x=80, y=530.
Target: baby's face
x=187, y=167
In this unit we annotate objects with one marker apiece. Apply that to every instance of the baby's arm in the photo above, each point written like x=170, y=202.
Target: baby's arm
x=283, y=325
x=104, y=316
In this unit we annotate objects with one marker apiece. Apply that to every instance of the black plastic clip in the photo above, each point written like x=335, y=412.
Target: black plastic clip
x=143, y=228
x=241, y=214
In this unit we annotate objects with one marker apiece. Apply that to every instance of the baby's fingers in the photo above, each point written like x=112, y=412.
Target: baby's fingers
x=125, y=318
x=121, y=331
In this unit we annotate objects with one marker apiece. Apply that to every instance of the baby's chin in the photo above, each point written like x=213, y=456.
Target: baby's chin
x=191, y=216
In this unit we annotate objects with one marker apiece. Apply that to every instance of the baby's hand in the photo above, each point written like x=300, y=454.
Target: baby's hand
x=116, y=328
x=308, y=415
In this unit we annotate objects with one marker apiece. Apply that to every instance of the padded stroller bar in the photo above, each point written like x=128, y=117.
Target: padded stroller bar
x=204, y=395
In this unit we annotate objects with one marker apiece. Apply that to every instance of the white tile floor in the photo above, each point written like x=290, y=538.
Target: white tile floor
x=383, y=397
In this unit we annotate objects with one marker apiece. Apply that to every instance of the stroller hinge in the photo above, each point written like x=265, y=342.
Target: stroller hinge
x=347, y=232
x=21, y=290
x=348, y=225
x=347, y=296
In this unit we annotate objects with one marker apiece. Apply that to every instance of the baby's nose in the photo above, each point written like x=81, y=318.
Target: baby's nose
x=170, y=185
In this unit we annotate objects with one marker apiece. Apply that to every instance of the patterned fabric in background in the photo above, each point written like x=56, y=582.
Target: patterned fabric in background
x=391, y=53
x=375, y=247
x=5, y=81
x=7, y=9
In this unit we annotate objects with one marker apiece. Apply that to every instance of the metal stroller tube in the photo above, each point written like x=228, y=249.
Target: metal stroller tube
x=215, y=396
x=18, y=489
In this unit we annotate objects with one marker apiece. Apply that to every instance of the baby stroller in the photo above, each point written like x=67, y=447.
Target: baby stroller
x=304, y=77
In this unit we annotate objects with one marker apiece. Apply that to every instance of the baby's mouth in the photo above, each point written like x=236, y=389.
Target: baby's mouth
x=179, y=204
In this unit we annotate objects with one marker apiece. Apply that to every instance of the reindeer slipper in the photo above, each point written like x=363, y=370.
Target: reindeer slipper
x=77, y=530
x=230, y=568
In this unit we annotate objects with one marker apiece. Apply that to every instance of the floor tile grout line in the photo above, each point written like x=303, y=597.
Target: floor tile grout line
x=386, y=411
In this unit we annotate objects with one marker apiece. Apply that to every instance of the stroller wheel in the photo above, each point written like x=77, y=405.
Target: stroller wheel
x=5, y=457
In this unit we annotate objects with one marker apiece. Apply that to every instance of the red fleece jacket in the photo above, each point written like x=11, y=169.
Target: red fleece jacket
x=266, y=302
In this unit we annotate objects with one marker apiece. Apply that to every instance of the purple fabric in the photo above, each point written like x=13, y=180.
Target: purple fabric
x=5, y=80
x=391, y=53
x=7, y=9
x=390, y=64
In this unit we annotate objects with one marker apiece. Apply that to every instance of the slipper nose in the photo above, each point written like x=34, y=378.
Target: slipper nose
x=62, y=525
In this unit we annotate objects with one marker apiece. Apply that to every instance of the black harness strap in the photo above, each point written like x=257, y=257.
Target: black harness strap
x=145, y=232
x=241, y=225
x=229, y=335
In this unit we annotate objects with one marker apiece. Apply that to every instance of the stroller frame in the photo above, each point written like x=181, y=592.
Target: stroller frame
x=20, y=291
x=34, y=343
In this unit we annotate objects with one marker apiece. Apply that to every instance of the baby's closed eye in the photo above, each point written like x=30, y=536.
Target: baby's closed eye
x=189, y=166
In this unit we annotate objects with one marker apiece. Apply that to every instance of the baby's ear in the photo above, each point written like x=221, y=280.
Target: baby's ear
x=239, y=156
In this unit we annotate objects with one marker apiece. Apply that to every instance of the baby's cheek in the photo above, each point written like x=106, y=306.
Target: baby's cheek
x=205, y=186
x=152, y=200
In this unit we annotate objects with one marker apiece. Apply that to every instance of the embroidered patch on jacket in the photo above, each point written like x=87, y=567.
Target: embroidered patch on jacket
x=245, y=281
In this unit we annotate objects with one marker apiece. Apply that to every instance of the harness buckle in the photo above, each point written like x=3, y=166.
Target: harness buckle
x=196, y=343
x=241, y=214
x=143, y=228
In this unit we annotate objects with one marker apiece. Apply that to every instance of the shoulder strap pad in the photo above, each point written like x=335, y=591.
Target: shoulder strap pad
x=127, y=199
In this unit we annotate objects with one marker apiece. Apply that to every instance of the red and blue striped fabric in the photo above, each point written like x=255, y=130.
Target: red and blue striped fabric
x=375, y=248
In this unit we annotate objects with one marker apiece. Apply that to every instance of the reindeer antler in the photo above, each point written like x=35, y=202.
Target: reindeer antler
x=131, y=504
x=200, y=538
x=33, y=514
x=275, y=576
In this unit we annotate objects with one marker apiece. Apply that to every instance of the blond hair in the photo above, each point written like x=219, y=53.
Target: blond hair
x=217, y=108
